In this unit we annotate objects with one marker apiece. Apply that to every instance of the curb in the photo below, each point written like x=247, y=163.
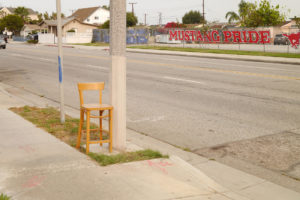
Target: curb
x=264, y=59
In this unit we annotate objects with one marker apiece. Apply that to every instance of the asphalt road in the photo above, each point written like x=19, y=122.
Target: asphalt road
x=209, y=106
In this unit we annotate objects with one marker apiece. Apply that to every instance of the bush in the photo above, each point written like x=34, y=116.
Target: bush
x=32, y=41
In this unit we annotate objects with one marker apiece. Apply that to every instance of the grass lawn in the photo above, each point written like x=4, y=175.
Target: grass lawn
x=93, y=44
x=49, y=120
x=219, y=51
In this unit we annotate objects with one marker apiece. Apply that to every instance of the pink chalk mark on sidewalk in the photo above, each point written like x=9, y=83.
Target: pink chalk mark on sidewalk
x=33, y=182
x=27, y=149
x=160, y=165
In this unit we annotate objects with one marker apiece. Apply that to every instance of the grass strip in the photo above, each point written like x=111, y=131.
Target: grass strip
x=49, y=120
x=219, y=51
x=147, y=154
x=4, y=197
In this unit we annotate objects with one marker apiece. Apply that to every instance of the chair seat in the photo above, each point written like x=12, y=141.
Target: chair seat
x=96, y=107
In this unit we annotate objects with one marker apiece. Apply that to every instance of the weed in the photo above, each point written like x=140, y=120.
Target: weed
x=4, y=197
x=147, y=154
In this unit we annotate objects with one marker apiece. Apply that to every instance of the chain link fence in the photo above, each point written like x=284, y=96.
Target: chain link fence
x=277, y=41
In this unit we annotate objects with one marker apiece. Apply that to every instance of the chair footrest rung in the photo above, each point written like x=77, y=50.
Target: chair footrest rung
x=99, y=142
x=97, y=129
x=100, y=117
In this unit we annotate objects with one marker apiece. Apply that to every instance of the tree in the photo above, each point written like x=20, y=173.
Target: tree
x=105, y=25
x=244, y=12
x=232, y=17
x=297, y=20
x=254, y=15
x=174, y=25
x=192, y=17
x=54, y=16
x=106, y=7
x=46, y=16
x=22, y=12
x=131, y=19
x=12, y=23
x=264, y=14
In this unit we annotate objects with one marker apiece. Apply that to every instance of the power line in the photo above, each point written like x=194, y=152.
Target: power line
x=132, y=6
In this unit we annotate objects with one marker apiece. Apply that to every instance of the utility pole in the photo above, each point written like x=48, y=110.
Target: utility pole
x=160, y=18
x=117, y=79
x=203, y=12
x=60, y=61
x=145, y=19
x=132, y=7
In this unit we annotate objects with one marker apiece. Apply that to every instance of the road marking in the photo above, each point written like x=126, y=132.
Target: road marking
x=97, y=67
x=177, y=66
x=184, y=80
x=151, y=119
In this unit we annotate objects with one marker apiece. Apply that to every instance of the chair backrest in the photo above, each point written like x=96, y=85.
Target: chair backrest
x=90, y=86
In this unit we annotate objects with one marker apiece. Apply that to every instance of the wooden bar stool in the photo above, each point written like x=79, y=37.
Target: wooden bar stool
x=87, y=109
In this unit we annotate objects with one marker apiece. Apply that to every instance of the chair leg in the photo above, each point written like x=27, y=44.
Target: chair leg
x=110, y=130
x=80, y=129
x=87, y=132
x=101, y=127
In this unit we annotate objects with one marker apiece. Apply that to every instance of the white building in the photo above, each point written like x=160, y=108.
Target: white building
x=93, y=15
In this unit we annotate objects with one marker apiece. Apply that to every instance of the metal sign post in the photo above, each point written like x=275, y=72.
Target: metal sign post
x=60, y=60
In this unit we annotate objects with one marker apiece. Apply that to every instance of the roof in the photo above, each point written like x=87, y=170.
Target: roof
x=83, y=13
x=32, y=26
x=284, y=23
x=63, y=22
x=12, y=10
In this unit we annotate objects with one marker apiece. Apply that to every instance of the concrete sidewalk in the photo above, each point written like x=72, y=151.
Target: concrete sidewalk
x=35, y=165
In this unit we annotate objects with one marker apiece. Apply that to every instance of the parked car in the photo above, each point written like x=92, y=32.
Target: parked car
x=33, y=37
x=281, y=40
x=2, y=43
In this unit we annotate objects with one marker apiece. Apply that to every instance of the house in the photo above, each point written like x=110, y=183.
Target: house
x=70, y=24
x=4, y=11
x=289, y=27
x=93, y=15
x=29, y=28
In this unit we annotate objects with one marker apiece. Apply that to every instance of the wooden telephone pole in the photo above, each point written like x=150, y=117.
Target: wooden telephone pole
x=132, y=7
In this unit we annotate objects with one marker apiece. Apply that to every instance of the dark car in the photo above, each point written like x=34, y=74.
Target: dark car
x=280, y=39
x=33, y=37
x=2, y=43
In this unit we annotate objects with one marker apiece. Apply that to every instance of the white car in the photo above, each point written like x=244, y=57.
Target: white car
x=2, y=43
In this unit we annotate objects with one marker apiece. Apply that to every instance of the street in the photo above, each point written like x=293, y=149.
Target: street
x=212, y=107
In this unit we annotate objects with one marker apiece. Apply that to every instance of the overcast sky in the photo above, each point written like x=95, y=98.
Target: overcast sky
x=172, y=10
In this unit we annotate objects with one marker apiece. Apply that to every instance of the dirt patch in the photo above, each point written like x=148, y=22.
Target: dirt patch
x=278, y=152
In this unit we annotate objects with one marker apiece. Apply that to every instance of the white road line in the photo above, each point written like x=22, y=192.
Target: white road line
x=147, y=119
x=184, y=80
x=97, y=67
x=231, y=65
